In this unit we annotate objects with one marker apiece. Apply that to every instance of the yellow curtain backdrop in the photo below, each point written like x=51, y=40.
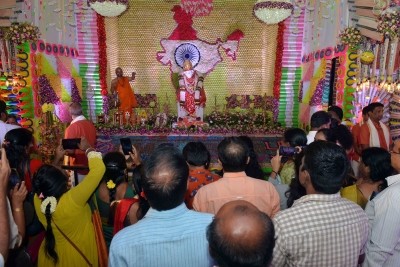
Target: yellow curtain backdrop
x=133, y=39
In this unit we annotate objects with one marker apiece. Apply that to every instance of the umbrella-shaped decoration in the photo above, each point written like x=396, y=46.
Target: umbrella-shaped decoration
x=109, y=8
x=272, y=12
x=197, y=8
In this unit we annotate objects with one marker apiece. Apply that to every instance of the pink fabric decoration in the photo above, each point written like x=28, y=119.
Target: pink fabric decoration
x=184, y=29
x=197, y=8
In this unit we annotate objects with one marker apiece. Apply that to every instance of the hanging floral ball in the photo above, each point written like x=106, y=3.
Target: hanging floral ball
x=351, y=36
x=367, y=57
x=272, y=12
x=104, y=92
x=109, y=8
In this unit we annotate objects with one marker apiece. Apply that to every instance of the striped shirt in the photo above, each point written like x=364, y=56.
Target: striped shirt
x=383, y=248
x=320, y=230
x=172, y=238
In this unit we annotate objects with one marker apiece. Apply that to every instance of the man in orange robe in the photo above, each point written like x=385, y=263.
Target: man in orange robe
x=126, y=96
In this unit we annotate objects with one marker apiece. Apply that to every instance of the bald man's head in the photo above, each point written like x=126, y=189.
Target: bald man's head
x=75, y=109
x=241, y=235
x=165, y=180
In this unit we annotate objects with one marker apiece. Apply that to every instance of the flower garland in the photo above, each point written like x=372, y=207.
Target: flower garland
x=47, y=108
x=75, y=97
x=21, y=33
x=316, y=99
x=278, y=61
x=48, y=200
x=46, y=92
x=109, y=8
x=101, y=32
x=216, y=123
x=146, y=100
x=272, y=12
x=249, y=101
x=389, y=23
x=351, y=36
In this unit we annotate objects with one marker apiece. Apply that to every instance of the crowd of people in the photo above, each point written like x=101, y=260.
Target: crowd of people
x=331, y=199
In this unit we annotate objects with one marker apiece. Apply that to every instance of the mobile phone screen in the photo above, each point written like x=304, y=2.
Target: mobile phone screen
x=71, y=143
x=126, y=145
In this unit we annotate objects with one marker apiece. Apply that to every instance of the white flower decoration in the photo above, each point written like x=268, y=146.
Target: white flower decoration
x=45, y=202
x=108, y=8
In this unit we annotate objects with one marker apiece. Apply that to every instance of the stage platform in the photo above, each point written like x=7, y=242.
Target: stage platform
x=265, y=146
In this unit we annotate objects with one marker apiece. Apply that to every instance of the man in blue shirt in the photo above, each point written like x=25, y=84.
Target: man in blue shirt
x=169, y=234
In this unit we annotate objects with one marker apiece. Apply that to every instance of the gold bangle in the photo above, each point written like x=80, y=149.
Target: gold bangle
x=17, y=210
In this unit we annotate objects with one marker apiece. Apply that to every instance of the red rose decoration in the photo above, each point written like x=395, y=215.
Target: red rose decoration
x=104, y=92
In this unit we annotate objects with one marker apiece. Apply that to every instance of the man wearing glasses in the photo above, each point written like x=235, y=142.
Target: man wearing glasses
x=383, y=248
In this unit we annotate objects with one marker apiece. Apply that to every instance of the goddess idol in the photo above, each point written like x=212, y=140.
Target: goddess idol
x=191, y=95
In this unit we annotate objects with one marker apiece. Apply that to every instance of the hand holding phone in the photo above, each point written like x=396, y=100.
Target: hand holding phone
x=126, y=145
x=71, y=143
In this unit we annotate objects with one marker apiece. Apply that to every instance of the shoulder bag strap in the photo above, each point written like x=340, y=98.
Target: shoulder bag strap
x=73, y=244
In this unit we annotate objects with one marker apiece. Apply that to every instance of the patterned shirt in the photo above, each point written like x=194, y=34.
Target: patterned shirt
x=197, y=179
x=169, y=238
x=383, y=248
x=320, y=230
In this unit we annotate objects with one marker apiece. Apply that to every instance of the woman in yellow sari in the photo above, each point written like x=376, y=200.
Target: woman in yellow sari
x=375, y=166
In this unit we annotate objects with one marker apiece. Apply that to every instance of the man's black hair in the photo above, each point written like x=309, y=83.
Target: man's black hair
x=196, y=154
x=327, y=166
x=337, y=110
x=319, y=118
x=374, y=105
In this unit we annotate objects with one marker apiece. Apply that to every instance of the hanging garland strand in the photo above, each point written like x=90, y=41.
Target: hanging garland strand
x=278, y=66
x=101, y=32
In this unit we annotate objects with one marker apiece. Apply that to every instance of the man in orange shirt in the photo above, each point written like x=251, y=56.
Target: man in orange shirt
x=79, y=127
x=198, y=158
x=355, y=131
x=374, y=133
x=126, y=96
x=233, y=154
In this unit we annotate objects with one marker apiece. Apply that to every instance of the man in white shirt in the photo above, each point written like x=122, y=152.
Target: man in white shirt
x=383, y=248
x=4, y=127
x=319, y=120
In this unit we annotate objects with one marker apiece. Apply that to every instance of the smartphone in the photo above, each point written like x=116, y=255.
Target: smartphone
x=126, y=145
x=290, y=151
x=14, y=178
x=287, y=151
x=71, y=143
